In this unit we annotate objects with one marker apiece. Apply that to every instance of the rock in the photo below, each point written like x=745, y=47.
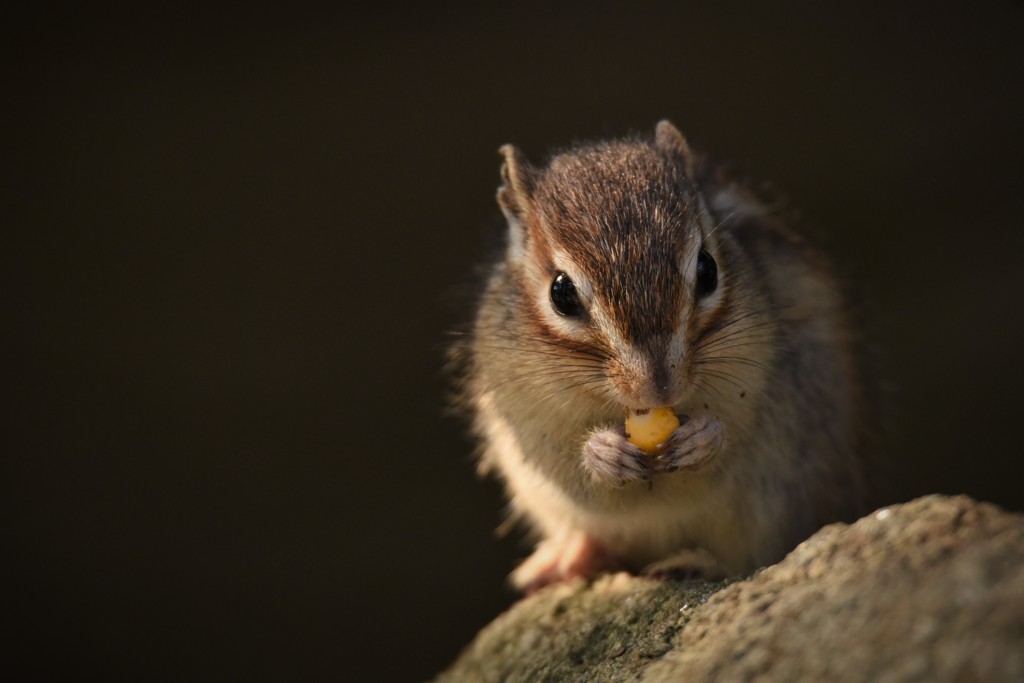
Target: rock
x=931, y=590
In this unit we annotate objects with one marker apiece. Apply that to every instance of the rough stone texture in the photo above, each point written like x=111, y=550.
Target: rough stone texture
x=932, y=590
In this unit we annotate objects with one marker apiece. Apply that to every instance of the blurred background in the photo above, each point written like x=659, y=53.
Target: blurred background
x=237, y=242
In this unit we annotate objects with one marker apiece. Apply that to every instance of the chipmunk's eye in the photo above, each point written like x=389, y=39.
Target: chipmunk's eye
x=707, y=274
x=564, y=297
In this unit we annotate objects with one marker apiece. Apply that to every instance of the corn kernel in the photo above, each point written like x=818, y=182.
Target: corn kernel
x=650, y=428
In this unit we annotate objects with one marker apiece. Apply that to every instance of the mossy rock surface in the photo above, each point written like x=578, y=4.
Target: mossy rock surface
x=931, y=590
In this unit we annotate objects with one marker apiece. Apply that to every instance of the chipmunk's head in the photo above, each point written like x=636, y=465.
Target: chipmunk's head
x=612, y=251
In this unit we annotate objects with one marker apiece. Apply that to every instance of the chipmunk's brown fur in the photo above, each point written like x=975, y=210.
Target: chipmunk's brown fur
x=760, y=367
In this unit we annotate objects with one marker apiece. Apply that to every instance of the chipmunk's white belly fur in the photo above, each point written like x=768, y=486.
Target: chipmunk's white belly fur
x=638, y=524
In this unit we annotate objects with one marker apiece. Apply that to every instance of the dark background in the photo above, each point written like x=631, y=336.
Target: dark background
x=236, y=243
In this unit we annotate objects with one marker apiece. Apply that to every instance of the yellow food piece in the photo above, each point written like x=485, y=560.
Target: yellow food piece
x=649, y=429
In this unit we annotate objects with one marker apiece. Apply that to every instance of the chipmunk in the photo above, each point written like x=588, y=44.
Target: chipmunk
x=638, y=275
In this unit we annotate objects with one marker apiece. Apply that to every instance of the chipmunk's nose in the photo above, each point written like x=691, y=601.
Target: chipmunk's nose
x=661, y=378
x=648, y=378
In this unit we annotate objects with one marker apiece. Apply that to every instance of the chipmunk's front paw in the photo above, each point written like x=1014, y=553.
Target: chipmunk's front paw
x=693, y=445
x=612, y=459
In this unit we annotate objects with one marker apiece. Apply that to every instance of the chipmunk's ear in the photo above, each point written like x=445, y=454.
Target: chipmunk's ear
x=515, y=193
x=515, y=196
x=668, y=139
